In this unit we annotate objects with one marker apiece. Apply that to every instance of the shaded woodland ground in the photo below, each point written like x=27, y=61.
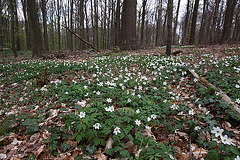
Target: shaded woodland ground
x=115, y=105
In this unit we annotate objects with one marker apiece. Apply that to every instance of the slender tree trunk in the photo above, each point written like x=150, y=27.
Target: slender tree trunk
x=117, y=23
x=12, y=8
x=193, y=25
x=213, y=29
x=37, y=41
x=71, y=26
x=185, y=28
x=44, y=13
x=164, y=29
x=96, y=22
x=203, y=23
x=176, y=23
x=143, y=19
x=226, y=34
x=159, y=24
x=128, y=29
x=58, y=24
x=86, y=19
x=28, y=38
x=17, y=31
x=82, y=31
x=169, y=26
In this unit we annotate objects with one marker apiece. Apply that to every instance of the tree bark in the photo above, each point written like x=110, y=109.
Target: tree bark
x=28, y=38
x=58, y=24
x=128, y=29
x=44, y=14
x=169, y=26
x=96, y=23
x=194, y=21
x=176, y=23
x=185, y=28
x=159, y=24
x=117, y=23
x=13, y=33
x=203, y=23
x=213, y=28
x=143, y=19
x=37, y=41
x=71, y=26
x=226, y=33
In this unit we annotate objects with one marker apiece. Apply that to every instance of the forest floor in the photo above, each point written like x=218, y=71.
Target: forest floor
x=126, y=105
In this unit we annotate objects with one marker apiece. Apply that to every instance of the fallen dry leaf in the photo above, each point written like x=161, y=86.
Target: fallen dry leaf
x=39, y=151
x=99, y=155
x=109, y=144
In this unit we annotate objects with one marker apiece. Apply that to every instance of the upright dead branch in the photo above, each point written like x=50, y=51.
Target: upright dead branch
x=83, y=40
x=225, y=97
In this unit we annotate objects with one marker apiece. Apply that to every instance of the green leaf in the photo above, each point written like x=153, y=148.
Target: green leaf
x=117, y=148
x=74, y=135
x=125, y=153
x=212, y=144
x=79, y=138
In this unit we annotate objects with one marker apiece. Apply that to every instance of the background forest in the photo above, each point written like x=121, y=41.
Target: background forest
x=101, y=23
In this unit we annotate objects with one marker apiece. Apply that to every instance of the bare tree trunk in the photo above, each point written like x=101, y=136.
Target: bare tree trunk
x=37, y=41
x=71, y=26
x=226, y=34
x=169, y=26
x=117, y=23
x=128, y=29
x=159, y=24
x=58, y=24
x=213, y=29
x=194, y=21
x=96, y=22
x=28, y=38
x=185, y=28
x=86, y=19
x=44, y=13
x=13, y=34
x=176, y=23
x=17, y=31
x=203, y=23
x=143, y=19
x=81, y=9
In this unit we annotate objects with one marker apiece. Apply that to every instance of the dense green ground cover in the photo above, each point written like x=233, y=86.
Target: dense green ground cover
x=129, y=106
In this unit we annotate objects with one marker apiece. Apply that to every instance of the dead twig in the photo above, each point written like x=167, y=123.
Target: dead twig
x=83, y=40
x=225, y=97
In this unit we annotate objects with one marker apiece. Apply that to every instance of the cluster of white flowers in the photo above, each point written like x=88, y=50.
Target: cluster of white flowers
x=109, y=109
x=218, y=132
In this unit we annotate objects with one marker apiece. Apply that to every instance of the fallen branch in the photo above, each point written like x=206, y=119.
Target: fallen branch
x=78, y=36
x=225, y=97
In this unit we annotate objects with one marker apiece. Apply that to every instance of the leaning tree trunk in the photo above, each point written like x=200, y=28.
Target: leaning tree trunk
x=169, y=26
x=37, y=41
x=128, y=29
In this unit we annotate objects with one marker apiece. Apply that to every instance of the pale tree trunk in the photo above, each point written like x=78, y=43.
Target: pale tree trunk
x=128, y=29
x=194, y=21
x=176, y=23
x=71, y=26
x=169, y=26
x=37, y=41
x=86, y=19
x=81, y=9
